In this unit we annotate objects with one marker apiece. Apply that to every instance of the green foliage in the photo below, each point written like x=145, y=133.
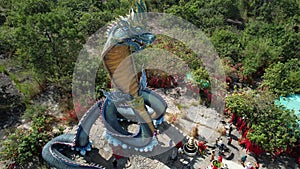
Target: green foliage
x=180, y=106
x=201, y=77
x=5, y=47
x=283, y=78
x=258, y=53
x=227, y=44
x=272, y=127
x=203, y=14
x=48, y=35
x=32, y=111
x=275, y=128
x=239, y=103
x=102, y=82
x=2, y=69
x=179, y=49
x=28, y=82
x=23, y=145
x=282, y=38
x=269, y=11
x=44, y=38
x=206, y=15
x=161, y=6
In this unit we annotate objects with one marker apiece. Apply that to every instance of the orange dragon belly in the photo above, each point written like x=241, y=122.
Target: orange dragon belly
x=120, y=67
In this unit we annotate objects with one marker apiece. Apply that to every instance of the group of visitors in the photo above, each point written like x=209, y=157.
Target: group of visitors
x=249, y=164
x=221, y=146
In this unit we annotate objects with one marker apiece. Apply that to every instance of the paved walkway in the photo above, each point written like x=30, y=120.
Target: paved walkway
x=208, y=122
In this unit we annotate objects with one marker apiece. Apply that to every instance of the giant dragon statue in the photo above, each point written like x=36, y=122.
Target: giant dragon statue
x=131, y=100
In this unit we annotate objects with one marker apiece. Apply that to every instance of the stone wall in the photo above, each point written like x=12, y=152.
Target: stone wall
x=11, y=104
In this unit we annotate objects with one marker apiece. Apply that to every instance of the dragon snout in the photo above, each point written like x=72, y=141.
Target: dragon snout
x=148, y=38
x=139, y=42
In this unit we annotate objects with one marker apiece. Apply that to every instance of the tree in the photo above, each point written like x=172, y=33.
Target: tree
x=271, y=127
x=48, y=35
x=283, y=78
x=227, y=44
x=206, y=15
x=258, y=53
x=269, y=11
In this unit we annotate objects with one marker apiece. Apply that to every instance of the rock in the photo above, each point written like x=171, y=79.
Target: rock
x=11, y=104
x=2, y=56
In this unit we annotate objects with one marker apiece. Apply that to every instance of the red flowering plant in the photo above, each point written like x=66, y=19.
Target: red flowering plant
x=73, y=108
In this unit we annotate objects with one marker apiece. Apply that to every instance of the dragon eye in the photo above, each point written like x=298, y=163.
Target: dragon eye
x=138, y=29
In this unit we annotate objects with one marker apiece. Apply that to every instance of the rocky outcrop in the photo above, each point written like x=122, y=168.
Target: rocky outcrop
x=11, y=105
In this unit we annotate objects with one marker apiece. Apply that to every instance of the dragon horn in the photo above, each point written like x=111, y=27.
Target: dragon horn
x=141, y=7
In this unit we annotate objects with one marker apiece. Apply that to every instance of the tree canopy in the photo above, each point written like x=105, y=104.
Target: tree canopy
x=258, y=41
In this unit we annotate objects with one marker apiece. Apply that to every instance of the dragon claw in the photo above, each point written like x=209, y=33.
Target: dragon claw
x=82, y=152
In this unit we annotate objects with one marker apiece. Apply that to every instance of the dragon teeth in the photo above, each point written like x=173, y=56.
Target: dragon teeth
x=124, y=146
x=122, y=18
x=115, y=144
x=88, y=148
x=82, y=152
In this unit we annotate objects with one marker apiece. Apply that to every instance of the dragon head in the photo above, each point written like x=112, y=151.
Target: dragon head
x=131, y=30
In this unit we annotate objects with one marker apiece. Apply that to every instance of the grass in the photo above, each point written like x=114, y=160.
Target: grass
x=3, y=70
x=27, y=81
x=180, y=106
x=23, y=146
x=195, y=103
x=31, y=111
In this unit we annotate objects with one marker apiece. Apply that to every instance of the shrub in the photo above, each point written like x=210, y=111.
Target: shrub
x=24, y=145
x=272, y=128
x=283, y=78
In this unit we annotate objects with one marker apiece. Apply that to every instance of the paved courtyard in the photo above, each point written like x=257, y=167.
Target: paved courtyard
x=192, y=114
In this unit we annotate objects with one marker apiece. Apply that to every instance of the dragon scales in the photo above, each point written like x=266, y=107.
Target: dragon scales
x=131, y=101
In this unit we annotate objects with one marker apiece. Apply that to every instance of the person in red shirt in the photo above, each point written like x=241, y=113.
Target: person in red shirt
x=256, y=165
x=201, y=146
x=220, y=158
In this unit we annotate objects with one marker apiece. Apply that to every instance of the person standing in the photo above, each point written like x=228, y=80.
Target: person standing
x=180, y=151
x=212, y=156
x=220, y=159
x=230, y=129
x=243, y=160
x=155, y=134
x=115, y=163
x=256, y=165
x=171, y=143
x=229, y=140
x=214, y=167
x=220, y=144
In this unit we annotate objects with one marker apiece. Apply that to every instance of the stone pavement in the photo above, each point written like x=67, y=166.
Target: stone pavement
x=190, y=115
